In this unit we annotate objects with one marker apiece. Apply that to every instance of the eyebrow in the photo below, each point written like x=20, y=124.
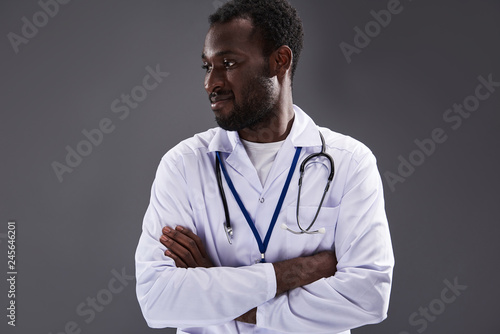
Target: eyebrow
x=219, y=54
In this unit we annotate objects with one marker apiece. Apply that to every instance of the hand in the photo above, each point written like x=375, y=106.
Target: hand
x=185, y=248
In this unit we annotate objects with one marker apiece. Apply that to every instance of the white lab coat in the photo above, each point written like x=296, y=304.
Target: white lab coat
x=201, y=300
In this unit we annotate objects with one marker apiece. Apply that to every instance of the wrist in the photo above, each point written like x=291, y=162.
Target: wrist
x=249, y=317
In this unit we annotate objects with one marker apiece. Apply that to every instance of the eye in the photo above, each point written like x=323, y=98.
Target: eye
x=206, y=67
x=228, y=63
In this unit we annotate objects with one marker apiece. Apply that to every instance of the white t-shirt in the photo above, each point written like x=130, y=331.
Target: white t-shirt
x=262, y=156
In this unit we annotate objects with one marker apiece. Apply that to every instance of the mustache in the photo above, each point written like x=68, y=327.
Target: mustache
x=220, y=95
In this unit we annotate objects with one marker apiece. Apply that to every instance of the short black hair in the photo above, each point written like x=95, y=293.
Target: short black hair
x=276, y=20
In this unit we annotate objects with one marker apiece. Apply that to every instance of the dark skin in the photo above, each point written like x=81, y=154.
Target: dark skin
x=232, y=56
x=188, y=251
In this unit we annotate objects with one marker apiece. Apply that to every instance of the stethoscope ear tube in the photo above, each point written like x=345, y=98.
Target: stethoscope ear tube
x=329, y=157
x=327, y=186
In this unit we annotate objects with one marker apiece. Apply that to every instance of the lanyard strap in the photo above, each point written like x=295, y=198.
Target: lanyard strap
x=262, y=245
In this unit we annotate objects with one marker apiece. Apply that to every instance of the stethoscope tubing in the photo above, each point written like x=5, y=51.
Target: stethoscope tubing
x=329, y=180
x=227, y=224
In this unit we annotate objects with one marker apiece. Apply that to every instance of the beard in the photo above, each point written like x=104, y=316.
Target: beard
x=257, y=108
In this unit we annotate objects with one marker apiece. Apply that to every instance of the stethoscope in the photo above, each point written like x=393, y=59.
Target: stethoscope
x=263, y=244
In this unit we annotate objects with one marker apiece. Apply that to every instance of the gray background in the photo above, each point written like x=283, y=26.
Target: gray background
x=71, y=235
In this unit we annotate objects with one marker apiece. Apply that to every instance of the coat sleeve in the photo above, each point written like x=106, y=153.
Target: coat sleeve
x=178, y=297
x=358, y=293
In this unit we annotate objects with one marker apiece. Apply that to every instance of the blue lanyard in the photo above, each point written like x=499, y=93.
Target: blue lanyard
x=262, y=245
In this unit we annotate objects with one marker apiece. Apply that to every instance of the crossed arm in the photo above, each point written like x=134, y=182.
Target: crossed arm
x=355, y=291
x=188, y=251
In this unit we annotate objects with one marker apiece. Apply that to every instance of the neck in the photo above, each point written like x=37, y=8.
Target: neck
x=277, y=129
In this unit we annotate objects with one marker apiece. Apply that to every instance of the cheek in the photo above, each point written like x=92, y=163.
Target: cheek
x=236, y=83
x=243, y=84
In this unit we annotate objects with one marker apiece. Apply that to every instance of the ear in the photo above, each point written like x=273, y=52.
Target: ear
x=281, y=61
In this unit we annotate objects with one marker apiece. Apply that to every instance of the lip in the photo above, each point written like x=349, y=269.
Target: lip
x=219, y=101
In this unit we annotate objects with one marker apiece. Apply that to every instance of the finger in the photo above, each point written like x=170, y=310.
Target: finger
x=195, y=238
x=178, y=250
x=163, y=240
x=186, y=241
x=178, y=262
x=203, y=259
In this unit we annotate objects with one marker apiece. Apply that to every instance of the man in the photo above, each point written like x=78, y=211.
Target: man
x=192, y=272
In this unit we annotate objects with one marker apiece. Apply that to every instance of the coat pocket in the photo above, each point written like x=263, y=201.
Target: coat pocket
x=307, y=244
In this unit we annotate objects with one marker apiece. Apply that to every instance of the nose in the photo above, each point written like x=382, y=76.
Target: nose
x=214, y=80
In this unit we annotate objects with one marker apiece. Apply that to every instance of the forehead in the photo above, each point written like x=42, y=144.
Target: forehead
x=236, y=36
